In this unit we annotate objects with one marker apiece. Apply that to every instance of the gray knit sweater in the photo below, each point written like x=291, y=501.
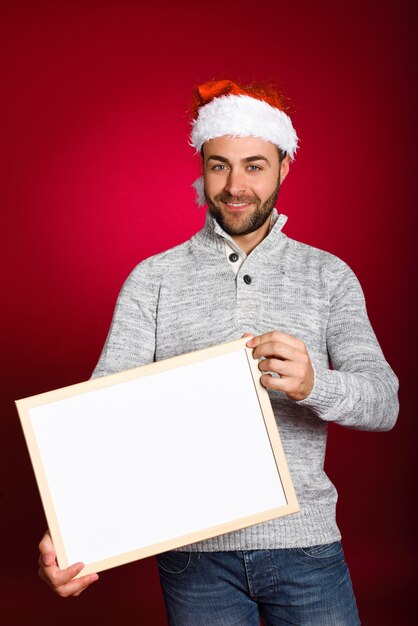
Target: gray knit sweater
x=189, y=298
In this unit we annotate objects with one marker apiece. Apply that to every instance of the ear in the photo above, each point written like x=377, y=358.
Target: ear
x=284, y=168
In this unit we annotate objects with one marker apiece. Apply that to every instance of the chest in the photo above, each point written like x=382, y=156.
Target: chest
x=209, y=305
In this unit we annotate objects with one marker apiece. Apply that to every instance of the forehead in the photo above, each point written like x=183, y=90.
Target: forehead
x=237, y=148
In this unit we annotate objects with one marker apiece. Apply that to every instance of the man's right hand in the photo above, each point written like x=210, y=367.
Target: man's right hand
x=61, y=581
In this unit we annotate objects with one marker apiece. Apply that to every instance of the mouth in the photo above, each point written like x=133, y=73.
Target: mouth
x=237, y=206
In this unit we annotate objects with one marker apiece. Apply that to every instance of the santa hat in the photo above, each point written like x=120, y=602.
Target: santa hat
x=224, y=108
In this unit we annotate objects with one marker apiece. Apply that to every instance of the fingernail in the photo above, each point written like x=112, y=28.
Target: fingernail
x=93, y=578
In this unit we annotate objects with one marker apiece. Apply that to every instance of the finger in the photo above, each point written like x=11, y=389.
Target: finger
x=47, y=560
x=277, y=350
x=276, y=335
x=64, y=582
x=46, y=546
x=283, y=368
x=247, y=335
x=274, y=383
x=64, y=576
x=56, y=577
x=294, y=388
x=77, y=586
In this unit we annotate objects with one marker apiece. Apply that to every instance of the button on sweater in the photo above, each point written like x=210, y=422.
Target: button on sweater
x=190, y=297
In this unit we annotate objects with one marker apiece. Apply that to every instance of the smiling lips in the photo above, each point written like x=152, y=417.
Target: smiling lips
x=237, y=206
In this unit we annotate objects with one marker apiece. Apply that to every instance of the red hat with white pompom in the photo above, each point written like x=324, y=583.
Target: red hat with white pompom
x=224, y=108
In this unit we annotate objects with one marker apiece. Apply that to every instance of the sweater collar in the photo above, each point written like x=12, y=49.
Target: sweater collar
x=214, y=236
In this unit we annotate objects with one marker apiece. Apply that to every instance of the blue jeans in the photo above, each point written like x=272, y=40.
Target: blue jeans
x=299, y=586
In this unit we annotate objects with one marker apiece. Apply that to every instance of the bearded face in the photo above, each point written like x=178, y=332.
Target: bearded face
x=242, y=177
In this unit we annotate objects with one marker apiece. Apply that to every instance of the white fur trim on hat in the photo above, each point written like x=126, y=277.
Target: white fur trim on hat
x=244, y=116
x=199, y=187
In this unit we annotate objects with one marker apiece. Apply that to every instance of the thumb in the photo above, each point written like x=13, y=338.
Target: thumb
x=47, y=549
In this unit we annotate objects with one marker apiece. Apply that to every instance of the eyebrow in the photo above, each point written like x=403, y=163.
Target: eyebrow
x=250, y=159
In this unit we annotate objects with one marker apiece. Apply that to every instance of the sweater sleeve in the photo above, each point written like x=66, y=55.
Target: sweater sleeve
x=131, y=338
x=361, y=390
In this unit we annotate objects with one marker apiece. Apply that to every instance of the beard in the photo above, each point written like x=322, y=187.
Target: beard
x=247, y=224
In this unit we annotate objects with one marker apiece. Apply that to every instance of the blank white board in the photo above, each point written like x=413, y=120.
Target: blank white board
x=157, y=457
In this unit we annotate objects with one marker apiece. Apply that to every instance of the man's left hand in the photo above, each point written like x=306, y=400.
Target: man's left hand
x=288, y=357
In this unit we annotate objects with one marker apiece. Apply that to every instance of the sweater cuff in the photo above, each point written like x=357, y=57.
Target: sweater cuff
x=327, y=393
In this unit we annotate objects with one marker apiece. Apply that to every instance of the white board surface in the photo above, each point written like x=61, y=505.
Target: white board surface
x=150, y=460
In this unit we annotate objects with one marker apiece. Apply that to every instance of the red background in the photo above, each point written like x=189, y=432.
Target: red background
x=96, y=175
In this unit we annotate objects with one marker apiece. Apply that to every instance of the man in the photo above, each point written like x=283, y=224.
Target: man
x=303, y=308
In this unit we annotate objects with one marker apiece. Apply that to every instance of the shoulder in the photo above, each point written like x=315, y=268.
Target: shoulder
x=335, y=271
x=306, y=252
x=162, y=260
x=151, y=271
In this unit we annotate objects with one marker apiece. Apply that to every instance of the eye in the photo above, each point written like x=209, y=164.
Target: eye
x=219, y=167
x=254, y=168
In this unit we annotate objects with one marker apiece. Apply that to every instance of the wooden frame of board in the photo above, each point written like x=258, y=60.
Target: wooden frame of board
x=157, y=457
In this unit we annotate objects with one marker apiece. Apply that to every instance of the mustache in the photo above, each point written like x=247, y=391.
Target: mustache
x=227, y=197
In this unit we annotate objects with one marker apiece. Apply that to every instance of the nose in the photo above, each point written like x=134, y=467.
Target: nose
x=236, y=183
